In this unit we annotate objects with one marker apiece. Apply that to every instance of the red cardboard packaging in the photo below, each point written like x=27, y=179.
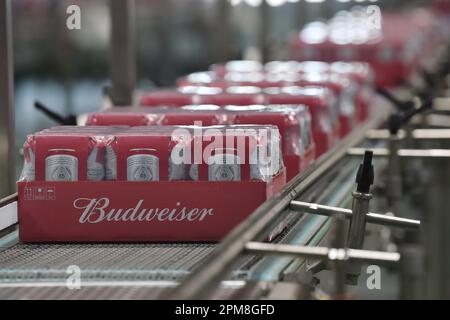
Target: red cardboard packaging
x=343, y=87
x=340, y=86
x=133, y=211
x=208, y=115
x=202, y=95
x=294, y=124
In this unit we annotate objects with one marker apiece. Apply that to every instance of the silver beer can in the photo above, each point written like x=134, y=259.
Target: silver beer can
x=95, y=168
x=28, y=171
x=260, y=164
x=110, y=163
x=266, y=160
x=224, y=166
x=61, y=167
x=142, y=166
x=178, y=171
x=193, y=172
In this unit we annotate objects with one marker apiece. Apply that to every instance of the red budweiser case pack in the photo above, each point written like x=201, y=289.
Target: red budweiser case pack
x=295, y=125
x=323, y=106
x=119, y=184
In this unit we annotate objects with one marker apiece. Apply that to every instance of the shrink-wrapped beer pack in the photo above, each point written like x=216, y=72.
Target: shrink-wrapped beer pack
x=235, y=153
x=360, y=74
x=243, y=66
x=167, y=183
x=364, y=77
x=398, y=50
x=342, y=85
x=59, y=155
x=183, y=153
x=293, y=122
x=142, y=154
x=150, y=153
x=322, y=104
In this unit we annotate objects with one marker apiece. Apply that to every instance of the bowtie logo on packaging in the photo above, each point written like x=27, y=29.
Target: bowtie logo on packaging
x=224, y=166
x=143, y=167
x=224, y=173
x=61, y=167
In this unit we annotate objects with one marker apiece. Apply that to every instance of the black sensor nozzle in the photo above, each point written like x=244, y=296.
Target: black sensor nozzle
x=365, y=175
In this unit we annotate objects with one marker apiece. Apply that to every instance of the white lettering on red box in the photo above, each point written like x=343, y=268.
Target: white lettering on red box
x=98, y=210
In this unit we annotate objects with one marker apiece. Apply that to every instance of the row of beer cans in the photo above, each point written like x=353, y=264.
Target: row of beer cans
x=153, y=153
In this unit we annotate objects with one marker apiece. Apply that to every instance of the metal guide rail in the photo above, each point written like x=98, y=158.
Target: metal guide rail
x=213, y=269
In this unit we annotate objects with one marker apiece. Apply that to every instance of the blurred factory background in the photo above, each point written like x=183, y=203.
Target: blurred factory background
x=67, y=69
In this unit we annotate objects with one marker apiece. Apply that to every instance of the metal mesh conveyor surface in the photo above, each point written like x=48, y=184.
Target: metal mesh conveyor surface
x=84, y=293
x=94, y=292
x=101, y=262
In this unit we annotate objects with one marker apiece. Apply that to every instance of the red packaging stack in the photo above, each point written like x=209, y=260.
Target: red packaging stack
x=208, y=115
x=293, y=122
x=196, y=94
x=364, y=78
x=343, y=87
x=169, y=98
x=150, y=196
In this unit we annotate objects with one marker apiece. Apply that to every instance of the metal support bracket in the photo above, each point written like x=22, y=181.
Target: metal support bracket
x=402, y=153
x=332, y=254
x=7, y=144
x=371, y=217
